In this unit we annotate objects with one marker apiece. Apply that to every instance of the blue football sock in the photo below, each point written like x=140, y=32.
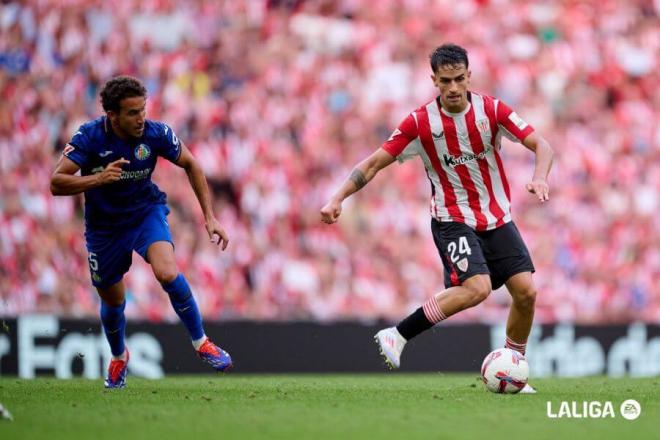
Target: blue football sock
x=185, y=306
x=114, y=325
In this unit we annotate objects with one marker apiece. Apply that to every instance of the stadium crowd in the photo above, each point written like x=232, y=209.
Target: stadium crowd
x=278, y=99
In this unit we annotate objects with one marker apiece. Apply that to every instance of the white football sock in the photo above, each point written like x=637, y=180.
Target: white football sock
x=121, y=357
x=198, y=342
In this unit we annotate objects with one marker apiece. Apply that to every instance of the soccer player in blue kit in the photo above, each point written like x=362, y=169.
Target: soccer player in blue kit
x=125, y=212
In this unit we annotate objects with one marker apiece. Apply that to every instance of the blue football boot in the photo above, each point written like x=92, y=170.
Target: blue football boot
x=214, y=356
x=117, y=373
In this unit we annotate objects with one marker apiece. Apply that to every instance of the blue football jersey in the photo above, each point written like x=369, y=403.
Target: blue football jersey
x=118, y=204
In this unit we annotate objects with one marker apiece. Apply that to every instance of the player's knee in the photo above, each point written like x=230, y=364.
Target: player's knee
x=114, y=295
x=479, y=290
x=166, y=274
x=115, y=301
x=479, y=295
x=525, y=298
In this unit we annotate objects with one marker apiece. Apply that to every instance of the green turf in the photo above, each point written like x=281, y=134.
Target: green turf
x=318, y=406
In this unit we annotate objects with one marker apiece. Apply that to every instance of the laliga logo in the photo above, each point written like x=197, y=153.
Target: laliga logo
x=630, y=410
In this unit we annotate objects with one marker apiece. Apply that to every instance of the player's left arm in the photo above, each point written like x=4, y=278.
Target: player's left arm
x=198, y=183
x=544, y=156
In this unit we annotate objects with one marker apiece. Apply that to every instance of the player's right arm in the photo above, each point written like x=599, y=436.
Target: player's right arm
x=394, y=148
x=65, y=182
x=360, y=176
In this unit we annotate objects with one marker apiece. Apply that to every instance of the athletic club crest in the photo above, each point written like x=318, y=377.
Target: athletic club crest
x=482, y=125
x=463, y=264
x=142, y=152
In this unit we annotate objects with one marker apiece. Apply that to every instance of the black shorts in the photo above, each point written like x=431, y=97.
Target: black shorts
x=500, y=253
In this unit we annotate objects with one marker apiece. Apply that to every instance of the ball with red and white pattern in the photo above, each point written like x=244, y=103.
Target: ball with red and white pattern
x=505, y=371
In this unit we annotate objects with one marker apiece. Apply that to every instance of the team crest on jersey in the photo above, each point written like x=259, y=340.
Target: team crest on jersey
x=142, y=152
x=463, y=264
x=482, y=125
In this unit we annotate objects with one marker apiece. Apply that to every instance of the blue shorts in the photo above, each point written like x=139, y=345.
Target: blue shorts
x=110, y=252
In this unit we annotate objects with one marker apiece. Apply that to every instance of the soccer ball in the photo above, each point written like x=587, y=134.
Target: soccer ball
x=505, y=371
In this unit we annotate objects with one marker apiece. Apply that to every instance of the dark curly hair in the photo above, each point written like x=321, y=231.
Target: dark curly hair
x=118, y=88
x=448, y=54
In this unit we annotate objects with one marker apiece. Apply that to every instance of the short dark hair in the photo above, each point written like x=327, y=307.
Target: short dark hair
x=118, y=88
x=448, y=54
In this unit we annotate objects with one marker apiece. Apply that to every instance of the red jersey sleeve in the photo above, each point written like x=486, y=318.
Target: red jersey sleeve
x=514, y=124
x=404, y=134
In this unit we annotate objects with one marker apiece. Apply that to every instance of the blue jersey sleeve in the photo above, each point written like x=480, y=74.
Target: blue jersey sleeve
x=78, y=148
x=170, y=145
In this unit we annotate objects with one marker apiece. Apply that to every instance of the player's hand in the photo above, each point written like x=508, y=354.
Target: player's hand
x=217, y=234
x=540, y=188
x=331, y=211
x=112, y=172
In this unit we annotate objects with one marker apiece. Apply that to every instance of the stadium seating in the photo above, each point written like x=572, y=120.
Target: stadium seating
x=279, y=99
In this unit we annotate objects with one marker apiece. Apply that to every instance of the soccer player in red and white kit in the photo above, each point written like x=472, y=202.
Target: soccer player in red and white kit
x=457, y=136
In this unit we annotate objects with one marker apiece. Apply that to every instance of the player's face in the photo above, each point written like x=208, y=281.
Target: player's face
x=129, y=121
x=452, y=80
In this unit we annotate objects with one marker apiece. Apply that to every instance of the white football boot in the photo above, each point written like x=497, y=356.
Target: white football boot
x=527, y=389
x=391, y=343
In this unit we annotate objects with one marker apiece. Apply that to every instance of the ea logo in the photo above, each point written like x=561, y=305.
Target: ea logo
x=630, y=409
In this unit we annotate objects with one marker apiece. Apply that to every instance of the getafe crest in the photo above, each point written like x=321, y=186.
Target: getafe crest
x=142, y=152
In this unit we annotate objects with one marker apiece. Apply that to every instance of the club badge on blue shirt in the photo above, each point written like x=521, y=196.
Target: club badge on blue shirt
x=142, y=152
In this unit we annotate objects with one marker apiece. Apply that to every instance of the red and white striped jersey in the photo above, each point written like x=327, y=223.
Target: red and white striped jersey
x=461, y=154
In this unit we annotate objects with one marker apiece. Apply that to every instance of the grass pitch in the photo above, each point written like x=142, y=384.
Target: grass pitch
x=318, y=406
